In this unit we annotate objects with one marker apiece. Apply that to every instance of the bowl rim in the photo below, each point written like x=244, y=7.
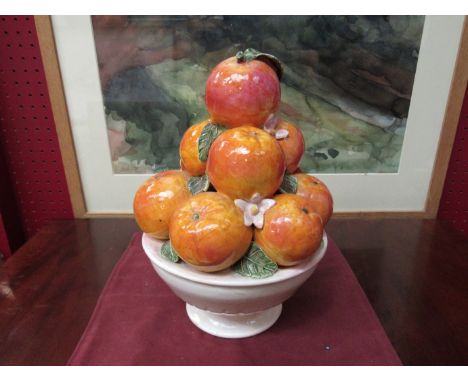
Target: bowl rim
x=227, y=277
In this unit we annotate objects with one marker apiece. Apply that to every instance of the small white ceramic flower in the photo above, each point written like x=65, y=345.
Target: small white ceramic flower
x=270, y=126
x=254, y=210
x=281, y=134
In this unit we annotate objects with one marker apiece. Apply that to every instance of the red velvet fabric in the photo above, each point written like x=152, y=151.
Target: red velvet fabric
x=139, y=321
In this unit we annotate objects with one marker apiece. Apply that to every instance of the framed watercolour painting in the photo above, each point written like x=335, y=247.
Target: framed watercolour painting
x=370, y=94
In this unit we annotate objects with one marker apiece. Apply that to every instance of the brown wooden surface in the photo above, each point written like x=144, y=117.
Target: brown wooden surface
x=339, y=215
x=414, y=272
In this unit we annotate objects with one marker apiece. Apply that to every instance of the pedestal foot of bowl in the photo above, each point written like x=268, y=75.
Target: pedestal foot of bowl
x=238, y=325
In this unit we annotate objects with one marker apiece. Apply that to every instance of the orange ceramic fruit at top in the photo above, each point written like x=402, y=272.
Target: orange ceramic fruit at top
x=188, y=150
x=291, y=231
x=246, y=161
x=293, y=145
x=317, y=193
x=242, y=92
x=207, y=231
x=156, y=200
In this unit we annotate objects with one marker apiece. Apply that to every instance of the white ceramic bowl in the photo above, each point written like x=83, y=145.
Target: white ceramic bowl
x=226, y=304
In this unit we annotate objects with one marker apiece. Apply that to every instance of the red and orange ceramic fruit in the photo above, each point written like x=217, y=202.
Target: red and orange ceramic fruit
x=207, y=231
x=292, y=145
x=245, y=162
x=291, y=231
x=317, y=194
x=156, y=200
x=188, y=150
x=242, y=90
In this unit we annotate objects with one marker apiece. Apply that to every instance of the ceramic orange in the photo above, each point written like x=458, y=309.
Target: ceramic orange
x=293, y=145
x=242, y=91
x=188, y=150
x=157, y=198
x=207, y=231
x=246, y=161
x=291, y=231
x=317, y=194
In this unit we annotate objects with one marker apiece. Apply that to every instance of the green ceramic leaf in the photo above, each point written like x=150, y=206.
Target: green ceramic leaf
x=197, y=184
x=209, y=133
x=169, y=253
x=253, y=54
x=255, y=264
x=289, y=185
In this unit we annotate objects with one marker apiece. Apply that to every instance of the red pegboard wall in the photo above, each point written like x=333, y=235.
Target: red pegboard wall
x=27, y=130
x=454, y=202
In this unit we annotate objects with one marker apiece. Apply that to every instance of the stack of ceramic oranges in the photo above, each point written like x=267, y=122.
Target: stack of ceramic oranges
x=239, y=190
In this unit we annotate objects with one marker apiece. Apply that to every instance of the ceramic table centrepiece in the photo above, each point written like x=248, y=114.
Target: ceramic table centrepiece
x=238, y=228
